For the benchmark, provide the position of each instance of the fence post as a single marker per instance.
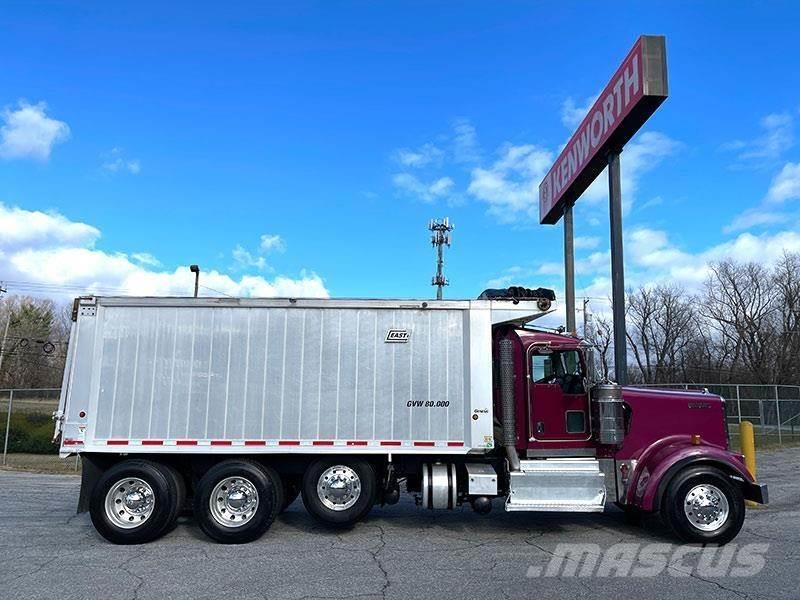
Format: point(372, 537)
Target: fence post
point(778, 415)
point(738, 404)
point(8, 425)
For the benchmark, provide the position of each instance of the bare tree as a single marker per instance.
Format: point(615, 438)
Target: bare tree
point(603, 339)
point(662, 324)
point(739, 303)
point(786, 284)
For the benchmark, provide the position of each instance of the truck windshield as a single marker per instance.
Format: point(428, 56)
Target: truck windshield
point(562, 368)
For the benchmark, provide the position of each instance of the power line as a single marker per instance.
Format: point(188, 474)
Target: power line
point(205, 287)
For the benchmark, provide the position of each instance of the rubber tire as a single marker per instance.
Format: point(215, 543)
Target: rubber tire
point(180, 499)
point(291, 490)
point(165, 491)
point(268, 486)
point(355, 513)
point(672, 506)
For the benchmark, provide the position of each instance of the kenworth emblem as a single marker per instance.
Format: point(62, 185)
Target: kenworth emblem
point(397, 336)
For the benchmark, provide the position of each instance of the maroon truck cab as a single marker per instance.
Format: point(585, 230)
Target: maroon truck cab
point(671, 453)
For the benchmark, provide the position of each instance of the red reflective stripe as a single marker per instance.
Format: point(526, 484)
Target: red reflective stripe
point(356, 443)
point(186, 443)
point(288, 443)
point(72, 442)
point(255, 443)
point(220, 442)
point(321, 443)
point(116, 442)
point(424, 443)
point(455, 443)
point(152, 442)
point(391, 443)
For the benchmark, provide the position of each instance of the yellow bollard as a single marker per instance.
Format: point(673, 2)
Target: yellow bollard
point(748, 442)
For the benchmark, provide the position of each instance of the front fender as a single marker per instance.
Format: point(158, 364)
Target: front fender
point(660, 461)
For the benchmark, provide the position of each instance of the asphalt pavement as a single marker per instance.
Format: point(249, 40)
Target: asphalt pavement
point(47, 551)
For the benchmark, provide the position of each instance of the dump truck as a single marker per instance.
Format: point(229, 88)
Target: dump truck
point(231, 408)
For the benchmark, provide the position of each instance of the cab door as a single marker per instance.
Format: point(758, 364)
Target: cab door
point(558, 402)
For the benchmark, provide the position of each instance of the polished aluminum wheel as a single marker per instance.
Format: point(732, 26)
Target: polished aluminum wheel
point(130, 502)
point(339, 487)
point(706, 507)
point(233, 502)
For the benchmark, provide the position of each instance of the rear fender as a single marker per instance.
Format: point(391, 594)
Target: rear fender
point(664, 459)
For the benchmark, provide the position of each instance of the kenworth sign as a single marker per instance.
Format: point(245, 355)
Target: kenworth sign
point(634, 93)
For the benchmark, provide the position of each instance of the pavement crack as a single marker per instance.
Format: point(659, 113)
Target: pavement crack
point(375, 553)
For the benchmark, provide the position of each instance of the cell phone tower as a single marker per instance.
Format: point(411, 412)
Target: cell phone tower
point(440, 236)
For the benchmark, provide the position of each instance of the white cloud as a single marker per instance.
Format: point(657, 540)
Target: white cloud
point(465, 142)
point(754, 217)
point(272, 243)
point(550, 268)
point(510, 185)
point(48, 253)
point(28, 132)
point(651, 258)
point(654, 258)
point(116, 162)
point(586, 242)
point(572, 115)
point(425, 191)
point(641, 155)
point(777, 138)
point(268, 242)
point(246, 260)
point(509, 277)
point(145, 258)
point(785, 187)
point(424, 155)
point(36, 229)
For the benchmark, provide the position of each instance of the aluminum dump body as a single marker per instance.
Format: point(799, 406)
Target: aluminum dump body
point(281, 375)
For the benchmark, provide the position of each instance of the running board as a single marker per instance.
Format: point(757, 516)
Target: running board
point(557, 485)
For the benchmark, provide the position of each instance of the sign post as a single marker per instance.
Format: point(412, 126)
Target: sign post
point(569, 270)
point(617, 270)
point(635, 91)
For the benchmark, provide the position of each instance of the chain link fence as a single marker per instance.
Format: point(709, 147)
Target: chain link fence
point(26, 420)
point(26, 431)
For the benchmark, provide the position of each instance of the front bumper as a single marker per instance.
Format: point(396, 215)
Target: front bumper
point(757, 492)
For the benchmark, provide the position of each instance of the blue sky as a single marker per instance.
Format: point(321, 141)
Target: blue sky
point(300, 148)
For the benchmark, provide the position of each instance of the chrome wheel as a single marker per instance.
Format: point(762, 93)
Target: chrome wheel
point(233, 501)
point(130, 502)
point(706, 507)
point(339, 487)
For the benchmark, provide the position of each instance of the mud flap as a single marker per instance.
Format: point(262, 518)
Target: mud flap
point(90, 473)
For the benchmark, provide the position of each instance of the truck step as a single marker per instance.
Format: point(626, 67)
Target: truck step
point(557, 485)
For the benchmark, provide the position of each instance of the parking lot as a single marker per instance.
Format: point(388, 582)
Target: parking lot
point(46, 551)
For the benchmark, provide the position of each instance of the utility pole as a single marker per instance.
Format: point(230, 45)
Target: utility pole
point(3, 346)
point(587, 321)
point(440, 236)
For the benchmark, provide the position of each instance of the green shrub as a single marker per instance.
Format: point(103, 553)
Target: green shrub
point(29, 432)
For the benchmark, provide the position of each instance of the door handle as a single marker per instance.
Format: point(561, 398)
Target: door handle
point(539, 427)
